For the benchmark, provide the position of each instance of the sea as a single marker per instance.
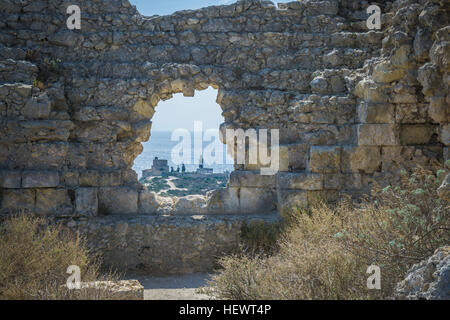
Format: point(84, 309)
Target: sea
point(161, 145)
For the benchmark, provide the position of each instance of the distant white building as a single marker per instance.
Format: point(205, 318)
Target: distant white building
point(159, 167)
point(202, 170)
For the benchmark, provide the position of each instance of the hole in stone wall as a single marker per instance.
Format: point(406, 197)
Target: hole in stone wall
point(185, 131)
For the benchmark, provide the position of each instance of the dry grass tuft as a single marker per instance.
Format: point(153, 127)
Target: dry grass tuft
point(325, 251)
point(34, 257)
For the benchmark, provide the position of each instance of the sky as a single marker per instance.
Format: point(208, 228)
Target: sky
point(180, 112)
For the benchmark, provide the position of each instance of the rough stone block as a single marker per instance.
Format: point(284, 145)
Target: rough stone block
point(411, 113)
point(416, 134)
point(38, 107)
point(378, 134)
point(251, 179)
point(257, 201)
point(332, 181)
point(53, 202)
point(325, 159)
point(190, 205)
point(118, 200)
point(71, 178)
point(148, 203)
point(86, 202)
point(376, 113)
point(40, 179)
point(438, 110)
point(17, 200)
point(116, 290)
point(300, 181)
point(110, 179)
point(370, 92)
point(360, 159)
point(90, 178)
point(10, 179)
point(445, 134)
point(223, 201)
point(385, 72)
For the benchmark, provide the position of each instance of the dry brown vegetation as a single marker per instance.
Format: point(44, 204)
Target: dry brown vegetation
point(325, 251)
point(34, 257)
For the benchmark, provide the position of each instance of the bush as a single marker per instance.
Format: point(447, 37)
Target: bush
point(325, 251)
point(34, 257)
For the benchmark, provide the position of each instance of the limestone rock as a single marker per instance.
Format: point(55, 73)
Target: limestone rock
point(325, 159)
point(86, 202)
point(444, 189)
point(53, 202)
point(361, 159)
point(148, 202)
point(18, 200)
point(378, 135)
point(10, 179)
point(40, 179)
point(190, 205)
point(429, 279)
point(115, 290)
point(300, 181)
point(118, 201)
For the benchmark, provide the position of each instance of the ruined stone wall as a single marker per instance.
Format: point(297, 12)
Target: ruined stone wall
point(351, 104)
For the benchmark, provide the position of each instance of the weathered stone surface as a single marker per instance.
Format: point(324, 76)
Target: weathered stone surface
point(190, 205)
point(118, 201)
point(445, 135)
point(376, 113)
point(86, 202)
point(114, 290)
point(386, 72)
point(40, 179)
point(10, 179)
point(251, 179)
point(38, 107)
point(370, 92)
point(223, 201)
point(300, 181)
point(148, 202)
point(165, 245)
point(416, 134)
point(429, 279)
point(53, 202)
point(444, 189)
point(378, 135)
point(325, 159)
point(361, 159)
point(18, 200)
point(257, 201)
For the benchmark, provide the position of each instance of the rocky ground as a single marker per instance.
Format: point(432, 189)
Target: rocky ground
point(174, 287)
point(181, 185)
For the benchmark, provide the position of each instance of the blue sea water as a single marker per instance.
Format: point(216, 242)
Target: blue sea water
point(160, 145)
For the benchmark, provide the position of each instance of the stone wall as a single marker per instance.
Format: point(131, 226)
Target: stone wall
point(352, 105)
point(164, 245)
